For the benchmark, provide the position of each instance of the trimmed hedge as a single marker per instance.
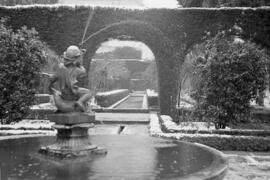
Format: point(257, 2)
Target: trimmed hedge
point(168, 32)
point(234, 132)
point(227, 143)
point(106, 99)
point(218, 141)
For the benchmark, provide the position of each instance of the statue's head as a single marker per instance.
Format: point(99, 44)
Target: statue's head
point(73, 55)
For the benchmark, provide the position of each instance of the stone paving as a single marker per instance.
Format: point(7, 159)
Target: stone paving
point(133, 118)
point(121, 129)
point(248, 165)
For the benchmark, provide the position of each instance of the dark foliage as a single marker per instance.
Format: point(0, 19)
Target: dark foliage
point(232, 74)
point(21, 57)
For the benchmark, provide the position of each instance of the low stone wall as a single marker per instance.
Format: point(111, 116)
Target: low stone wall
point(106, 99)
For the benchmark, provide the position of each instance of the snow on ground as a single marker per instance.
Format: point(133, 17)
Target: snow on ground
point(151, 93)
point(44, 106)
point(28, 125)
point(154, 126)
point(169, 124)
point(4, 133)
point(110, 92)
point(186, 105)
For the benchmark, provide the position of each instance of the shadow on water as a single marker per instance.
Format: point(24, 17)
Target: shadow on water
point(129, 157)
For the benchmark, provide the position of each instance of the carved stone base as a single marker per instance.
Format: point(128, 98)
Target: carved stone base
point(71, 118)
point(72, 137)
point(55, 151)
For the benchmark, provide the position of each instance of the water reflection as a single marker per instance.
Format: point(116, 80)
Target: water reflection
point(129, 157)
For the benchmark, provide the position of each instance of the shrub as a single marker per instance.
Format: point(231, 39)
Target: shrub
point(233, 73)
point(21, 57)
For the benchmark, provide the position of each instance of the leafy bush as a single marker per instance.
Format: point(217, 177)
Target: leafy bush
point(21, 57)
point(225, 142)
point(232, 73)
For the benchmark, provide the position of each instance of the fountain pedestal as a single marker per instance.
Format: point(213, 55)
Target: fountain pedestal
point(72, 136)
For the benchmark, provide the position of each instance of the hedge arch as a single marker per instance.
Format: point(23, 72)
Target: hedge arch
point(160, 45)
point(170, 33)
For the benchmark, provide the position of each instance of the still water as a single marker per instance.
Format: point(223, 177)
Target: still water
point(129, 157)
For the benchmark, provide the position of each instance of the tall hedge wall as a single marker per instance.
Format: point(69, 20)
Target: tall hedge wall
point(169, 33)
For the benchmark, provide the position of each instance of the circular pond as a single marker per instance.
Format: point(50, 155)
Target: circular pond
point(129, 157)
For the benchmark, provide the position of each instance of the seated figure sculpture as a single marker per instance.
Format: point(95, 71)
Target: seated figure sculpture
point(71, 97)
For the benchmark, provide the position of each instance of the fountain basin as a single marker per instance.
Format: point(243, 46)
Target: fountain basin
point(129, 157)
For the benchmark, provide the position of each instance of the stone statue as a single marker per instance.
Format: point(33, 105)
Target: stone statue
point(71, 97)
point(71, 120)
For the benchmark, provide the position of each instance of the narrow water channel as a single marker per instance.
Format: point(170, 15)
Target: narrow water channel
point(131, 102)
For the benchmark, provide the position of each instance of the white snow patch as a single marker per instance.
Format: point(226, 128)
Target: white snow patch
point(154, 128)
point(29, 124)
point(186, 105)
point(171, 125)
point(151, 93)
point(23, 132)
point(45, 106)
point(111, 92)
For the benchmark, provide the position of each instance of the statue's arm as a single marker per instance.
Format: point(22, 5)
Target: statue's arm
point(52, 79)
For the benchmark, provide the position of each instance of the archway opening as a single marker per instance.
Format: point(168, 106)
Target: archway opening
point(126, 72)
point(166, 56)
